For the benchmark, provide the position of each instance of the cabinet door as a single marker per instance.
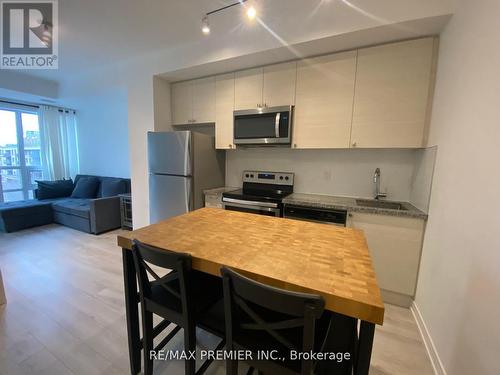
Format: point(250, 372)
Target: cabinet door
point(224, 105)
point(248, 89)
point(182, 102)
point(279, 84)
point(204, 100)
point(395, 245)
point(393, 85)
point(213, 201)
point(323, 102)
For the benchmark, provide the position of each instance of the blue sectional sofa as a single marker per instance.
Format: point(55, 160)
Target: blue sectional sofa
point(96, 215)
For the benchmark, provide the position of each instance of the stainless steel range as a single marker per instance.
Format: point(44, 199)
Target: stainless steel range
point(261, 194)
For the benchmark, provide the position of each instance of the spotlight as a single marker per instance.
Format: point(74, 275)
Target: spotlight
point(205, 27)
point(251, 13)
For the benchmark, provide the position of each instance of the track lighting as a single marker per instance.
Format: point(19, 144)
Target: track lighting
point(205, 27)
point(251, 13)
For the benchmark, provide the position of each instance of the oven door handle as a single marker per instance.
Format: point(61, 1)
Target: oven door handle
point(236, 206)
point(250, 203)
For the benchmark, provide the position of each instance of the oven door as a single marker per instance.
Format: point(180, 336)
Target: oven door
point(260, 208)
point(263, 126)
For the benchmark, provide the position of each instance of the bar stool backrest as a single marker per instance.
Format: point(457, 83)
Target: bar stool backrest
point(178, 263)
point(246, 302)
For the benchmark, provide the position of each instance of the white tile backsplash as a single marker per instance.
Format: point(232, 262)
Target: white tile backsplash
point(333, 172)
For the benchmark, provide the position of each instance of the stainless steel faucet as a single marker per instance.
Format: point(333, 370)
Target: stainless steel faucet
point(376, 181)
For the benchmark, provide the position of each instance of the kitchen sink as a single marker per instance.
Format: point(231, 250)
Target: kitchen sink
point(380, 204)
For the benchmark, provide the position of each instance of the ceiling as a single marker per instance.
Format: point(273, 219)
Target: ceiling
point(96, 33)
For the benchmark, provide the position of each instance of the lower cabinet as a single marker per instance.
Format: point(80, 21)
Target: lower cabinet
point(395, 245)
point(213, 201)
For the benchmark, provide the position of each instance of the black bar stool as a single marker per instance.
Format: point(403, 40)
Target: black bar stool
point(263, 318)
point(181, 297)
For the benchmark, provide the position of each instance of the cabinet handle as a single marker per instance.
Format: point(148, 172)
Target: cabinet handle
point(295, 145)
point(230, 146)
point(258, 105)
point(354, 144)
point(350, 215)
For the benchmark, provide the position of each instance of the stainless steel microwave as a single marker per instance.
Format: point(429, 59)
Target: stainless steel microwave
point(263, 126)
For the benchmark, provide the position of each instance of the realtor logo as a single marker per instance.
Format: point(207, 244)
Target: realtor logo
point(29, 35)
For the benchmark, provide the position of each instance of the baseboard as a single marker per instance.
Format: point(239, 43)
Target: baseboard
point(397, 299)
point(429, 344)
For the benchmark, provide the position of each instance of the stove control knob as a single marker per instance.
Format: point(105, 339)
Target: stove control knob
point(281, 177)
point(286, 178)
point(251, 176)
point(247, 175)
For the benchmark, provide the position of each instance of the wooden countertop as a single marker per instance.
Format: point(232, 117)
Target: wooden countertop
point(290, 254)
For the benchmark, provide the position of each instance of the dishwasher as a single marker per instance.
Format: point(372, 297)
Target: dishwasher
point(317, 215)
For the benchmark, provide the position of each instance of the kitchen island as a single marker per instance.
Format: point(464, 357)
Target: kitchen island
point(330, 261)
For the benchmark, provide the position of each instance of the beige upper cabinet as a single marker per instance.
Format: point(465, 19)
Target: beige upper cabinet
point(224, 105)
point(204, 100)
point(377, 97)
point(393, 87)
point(323, 101)
point(279, 84)
point(248, 86)
point(193, 101)
point(182, 102)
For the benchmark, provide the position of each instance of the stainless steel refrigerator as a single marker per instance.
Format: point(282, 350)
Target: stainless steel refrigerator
point(181, 165)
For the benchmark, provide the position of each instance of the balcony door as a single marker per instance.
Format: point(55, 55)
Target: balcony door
point(20, 153)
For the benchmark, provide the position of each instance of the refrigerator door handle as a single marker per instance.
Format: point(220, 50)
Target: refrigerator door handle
point(187, 155)
point(187, 185)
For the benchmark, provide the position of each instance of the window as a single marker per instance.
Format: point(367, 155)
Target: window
point(20, 153)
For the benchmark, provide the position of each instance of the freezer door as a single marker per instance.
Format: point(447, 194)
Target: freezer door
point(169, 196)
point(170, 153)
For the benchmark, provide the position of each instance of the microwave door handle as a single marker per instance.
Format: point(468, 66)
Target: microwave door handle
point(277, 125)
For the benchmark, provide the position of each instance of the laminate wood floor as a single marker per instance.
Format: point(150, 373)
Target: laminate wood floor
point(65, 311)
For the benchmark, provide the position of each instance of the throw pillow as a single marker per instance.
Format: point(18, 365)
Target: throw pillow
point(86, 187)
point(113, 187)
point(54, 189)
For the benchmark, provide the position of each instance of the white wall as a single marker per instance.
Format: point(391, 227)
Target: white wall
point(162, 110)
point(103, 133)
point(458, 291)
point(141, 120)
point(22, 86)
point(333, 172)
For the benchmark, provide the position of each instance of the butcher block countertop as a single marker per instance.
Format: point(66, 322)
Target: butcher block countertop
point(290, 254)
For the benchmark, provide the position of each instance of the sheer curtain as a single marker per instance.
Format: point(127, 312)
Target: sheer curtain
point(59, 143)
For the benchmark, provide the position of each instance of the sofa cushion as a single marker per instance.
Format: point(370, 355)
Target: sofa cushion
point(73, 206)
point(86, 187)
point(111, 187)
point(24, 208)
point(19, 215)
point(54, 189)
point(101, 179)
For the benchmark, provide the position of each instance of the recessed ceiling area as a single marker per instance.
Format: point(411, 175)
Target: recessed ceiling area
point(348, 41)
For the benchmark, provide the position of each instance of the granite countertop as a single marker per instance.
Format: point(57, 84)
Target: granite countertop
point(218, 191)
point(349, 204)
